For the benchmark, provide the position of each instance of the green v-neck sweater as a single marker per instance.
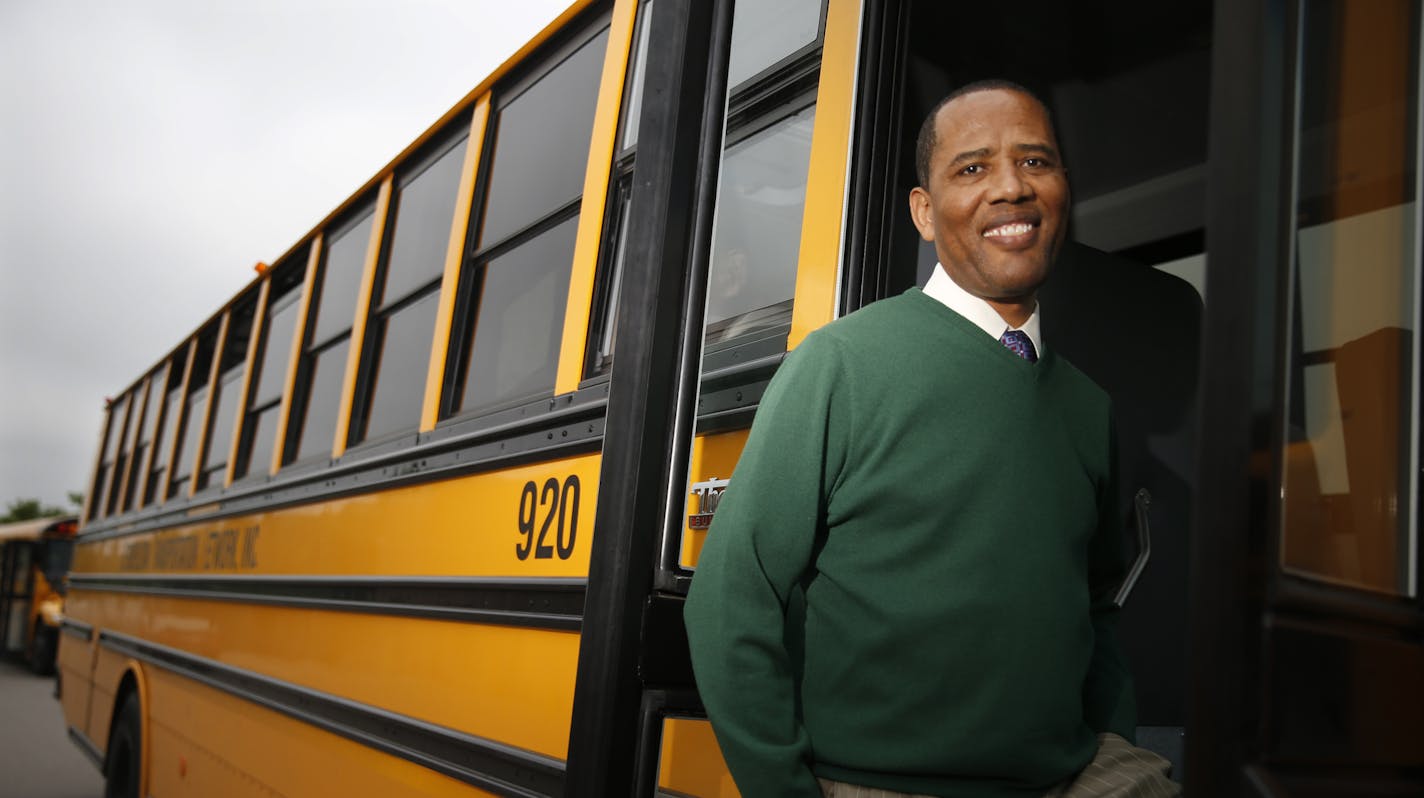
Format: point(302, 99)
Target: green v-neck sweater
point(908, 583)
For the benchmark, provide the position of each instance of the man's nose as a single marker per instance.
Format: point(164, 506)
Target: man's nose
point(1010, 184)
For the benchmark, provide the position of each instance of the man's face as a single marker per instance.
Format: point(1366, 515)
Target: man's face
point(997, 201)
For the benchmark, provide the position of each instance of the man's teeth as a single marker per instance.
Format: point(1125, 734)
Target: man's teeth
point(1008, 230)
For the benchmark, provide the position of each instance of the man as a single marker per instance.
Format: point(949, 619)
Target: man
point(907, 589)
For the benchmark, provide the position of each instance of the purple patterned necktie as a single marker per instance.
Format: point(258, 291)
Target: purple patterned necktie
point(1020, 344)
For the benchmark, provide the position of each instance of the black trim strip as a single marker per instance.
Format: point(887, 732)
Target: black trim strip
point(486, 764)
point(87, 747)
point(654, 380)
point(78, 629)
point(553, 603)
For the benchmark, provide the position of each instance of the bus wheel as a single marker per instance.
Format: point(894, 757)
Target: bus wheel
point(121, 766)
point(42, 649)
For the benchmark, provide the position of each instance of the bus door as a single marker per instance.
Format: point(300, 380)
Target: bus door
point(1128, 85)
point(731, 256)
point(1307, 625)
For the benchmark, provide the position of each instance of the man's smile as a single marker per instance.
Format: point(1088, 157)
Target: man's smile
point(1010, 230)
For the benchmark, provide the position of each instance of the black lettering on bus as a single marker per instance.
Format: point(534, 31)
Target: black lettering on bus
point(135, 557)
point(571, 485)
point(176, 554)
point(249, 546)
point(543, 551)
point(557, 502)
point(222, 549)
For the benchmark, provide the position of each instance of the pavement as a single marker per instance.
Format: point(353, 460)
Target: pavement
point(37, 759)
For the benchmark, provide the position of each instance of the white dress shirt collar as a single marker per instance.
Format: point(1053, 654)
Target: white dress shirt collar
point(944, 289)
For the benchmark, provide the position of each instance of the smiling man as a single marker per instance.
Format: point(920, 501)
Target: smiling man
point(907, 588)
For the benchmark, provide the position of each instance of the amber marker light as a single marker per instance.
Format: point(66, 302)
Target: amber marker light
point(261, 267)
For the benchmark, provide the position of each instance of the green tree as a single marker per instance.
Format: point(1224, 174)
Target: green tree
point(28, 510)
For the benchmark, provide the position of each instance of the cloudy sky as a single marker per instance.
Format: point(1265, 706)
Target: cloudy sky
point(151, 151)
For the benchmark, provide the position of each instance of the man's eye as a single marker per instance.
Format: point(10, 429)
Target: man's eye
point(972, 170)
point(1037, 164)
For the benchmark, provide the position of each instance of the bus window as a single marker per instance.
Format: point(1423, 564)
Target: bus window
point(519, 279)
point(275, 350)
point(760, 198)
point(192, 428)
point(762, 186)
point(515, 342)
point(121, 459)
point(407, 293)
point(227, 395)
point(602, 321)
point(147, 409)
point(1350, 499)
point(330, 336)
point(153, 489)
point(765, 33)
point(113, 430)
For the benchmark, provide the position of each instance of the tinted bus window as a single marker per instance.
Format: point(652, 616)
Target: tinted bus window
point(516, 335)
point(519, 280)
point(194, 414)
point(148, 398)
point(760, 198)
point(154, 485)
point(422, 209)
point(541, 144)
point(402, 327)
point(330, 337)
point(220, 439)
point(633, 93)
point(104, 473)
point(192, 419)
point(398, 375)
point(319, 429)
point(121, 459)
point(281, 326)
point(762, 185)
point(283, 307)
point(341, 280)
point(766, 31)
point(228, 395)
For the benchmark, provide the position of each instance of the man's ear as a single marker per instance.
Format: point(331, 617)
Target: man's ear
point(922, 212)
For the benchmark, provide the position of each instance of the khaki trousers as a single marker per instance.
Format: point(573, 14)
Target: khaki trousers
point(1120, 770)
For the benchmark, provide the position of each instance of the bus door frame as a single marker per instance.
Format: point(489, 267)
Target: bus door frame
point(652, 399)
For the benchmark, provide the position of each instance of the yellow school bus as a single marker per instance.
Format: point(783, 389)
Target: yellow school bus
point(414, 512)
point(34, 557)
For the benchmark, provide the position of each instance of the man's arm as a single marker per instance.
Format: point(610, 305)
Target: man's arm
point(759, 548)
point(1109, 702)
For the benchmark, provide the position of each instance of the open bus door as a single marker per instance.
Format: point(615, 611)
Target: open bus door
point(1244, 177)
point(1307, 627)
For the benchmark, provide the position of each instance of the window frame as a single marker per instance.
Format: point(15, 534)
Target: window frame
point(477, 254)
point(780, 90)
point(283, 285)
point(379, 313)
point(369, 207)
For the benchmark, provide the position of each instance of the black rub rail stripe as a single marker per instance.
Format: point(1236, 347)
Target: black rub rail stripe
point(78, 629)
point(552, 603)
point(489, 765)
point(84, 744)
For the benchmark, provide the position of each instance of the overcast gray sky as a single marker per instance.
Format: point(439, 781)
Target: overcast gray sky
point(151, 151)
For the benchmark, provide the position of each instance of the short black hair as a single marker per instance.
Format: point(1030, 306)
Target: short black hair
point(926, 141)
